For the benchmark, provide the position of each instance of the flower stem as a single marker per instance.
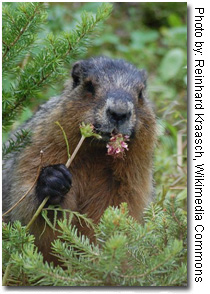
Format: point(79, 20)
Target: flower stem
point(37, 212)
point(75, 151)
point(47, 198)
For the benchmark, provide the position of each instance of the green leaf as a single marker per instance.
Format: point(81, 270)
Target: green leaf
point(182, 195)
point(174, 20)
point(171, 63)
point(140, 38)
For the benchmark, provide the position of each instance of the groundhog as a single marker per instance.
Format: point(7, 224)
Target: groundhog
point(110, 94)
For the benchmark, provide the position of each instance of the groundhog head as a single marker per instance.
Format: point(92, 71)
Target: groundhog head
point(115, 93)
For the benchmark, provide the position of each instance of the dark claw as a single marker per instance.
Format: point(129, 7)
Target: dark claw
point(54, 181)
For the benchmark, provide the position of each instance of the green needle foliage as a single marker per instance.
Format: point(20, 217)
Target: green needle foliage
point(20, 26)
point(21, 138)
point(125, 253)
point(32, 64)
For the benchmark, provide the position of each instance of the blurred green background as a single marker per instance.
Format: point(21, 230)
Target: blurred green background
point(151, 35)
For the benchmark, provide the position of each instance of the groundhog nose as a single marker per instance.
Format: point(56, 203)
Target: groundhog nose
point(118, 117)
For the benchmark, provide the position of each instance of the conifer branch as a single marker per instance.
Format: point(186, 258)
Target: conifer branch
point(46, 66)
point(20, 140)
point(19, 28)
point(6, 274)
point(22, 31)
point(68, 279)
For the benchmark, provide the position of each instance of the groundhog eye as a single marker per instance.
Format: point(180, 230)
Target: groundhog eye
point(90, 87)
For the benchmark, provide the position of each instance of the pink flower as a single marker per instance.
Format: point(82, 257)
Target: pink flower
point(117, 146)
point(124, 145)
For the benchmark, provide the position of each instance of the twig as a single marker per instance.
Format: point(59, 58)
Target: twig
point(37, 212)
point(8, 268)
point(69, 161)
point(47, 198)
point(29, 190)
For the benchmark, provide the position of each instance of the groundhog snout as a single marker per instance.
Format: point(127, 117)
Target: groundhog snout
point(118, 116)
point(119, 109)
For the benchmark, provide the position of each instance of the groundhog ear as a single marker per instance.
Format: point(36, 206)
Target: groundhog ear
point(76, 73)
point(144, 75)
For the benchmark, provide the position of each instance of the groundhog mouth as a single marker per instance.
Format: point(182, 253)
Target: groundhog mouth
point(105, 136)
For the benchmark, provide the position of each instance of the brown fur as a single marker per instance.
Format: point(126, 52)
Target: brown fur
point(99, 180)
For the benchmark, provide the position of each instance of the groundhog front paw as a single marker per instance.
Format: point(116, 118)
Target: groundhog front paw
point(54, 181)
